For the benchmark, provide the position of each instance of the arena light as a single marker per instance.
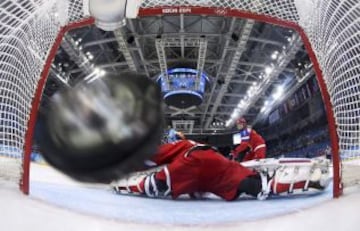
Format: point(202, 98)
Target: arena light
point(234, 115)
point(279, 92)
point(228, 122)
point(89, 76)
point(274, 55)
point(89, 55)
point(241, 104)
point(268, 70)
point(99, 73)
point(266, 106)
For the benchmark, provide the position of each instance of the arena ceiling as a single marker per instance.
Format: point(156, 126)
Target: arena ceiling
point(251, 66)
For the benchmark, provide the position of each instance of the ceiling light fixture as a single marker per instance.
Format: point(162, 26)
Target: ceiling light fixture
point(268, 70)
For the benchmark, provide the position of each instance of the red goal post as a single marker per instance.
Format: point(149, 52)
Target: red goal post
point(31, 32)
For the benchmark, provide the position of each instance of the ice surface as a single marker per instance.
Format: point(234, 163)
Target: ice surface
point(58, 203)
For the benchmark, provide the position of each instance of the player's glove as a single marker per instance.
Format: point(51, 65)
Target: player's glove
point(230, 156)
point(241, 155)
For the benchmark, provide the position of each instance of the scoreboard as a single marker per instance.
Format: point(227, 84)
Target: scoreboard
point(181, 90)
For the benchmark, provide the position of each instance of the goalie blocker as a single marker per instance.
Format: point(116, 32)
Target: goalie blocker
point(194, 169)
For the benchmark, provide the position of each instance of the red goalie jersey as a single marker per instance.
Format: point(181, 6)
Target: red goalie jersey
point(192, 167)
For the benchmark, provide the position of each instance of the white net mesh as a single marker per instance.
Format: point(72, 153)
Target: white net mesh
point(334, 32)
point(28, 30)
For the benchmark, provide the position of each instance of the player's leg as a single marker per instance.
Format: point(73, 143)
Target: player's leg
point(133, 183)
point(179, 177)
point(155, 183)
point(296, 178)
point(251, 185)
point(288, 177)
point(260, 152)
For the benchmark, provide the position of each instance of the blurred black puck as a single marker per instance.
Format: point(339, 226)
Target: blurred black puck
point(98, 131)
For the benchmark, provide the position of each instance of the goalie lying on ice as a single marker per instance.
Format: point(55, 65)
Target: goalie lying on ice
point(190, 168)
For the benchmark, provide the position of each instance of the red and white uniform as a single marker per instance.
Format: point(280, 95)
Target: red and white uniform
point(192, 168)
point(250, 139)
point(199, 170)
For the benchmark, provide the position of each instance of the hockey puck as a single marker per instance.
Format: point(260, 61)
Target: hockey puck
point(96, 132)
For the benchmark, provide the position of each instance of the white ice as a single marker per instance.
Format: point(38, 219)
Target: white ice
point(58, 203)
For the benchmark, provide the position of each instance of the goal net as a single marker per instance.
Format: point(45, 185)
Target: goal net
point(31, 31)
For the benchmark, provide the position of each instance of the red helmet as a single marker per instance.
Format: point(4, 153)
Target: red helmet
point(241, 121)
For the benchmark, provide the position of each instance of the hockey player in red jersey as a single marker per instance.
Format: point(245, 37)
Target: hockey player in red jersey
point(252, 145)
point(188, 167)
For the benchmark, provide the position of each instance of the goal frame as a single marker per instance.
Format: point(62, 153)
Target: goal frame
point(190, 10)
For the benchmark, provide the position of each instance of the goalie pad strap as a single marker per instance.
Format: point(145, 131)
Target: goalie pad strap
point(266, 186)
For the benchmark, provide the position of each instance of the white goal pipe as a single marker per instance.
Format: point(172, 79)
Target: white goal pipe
point(31, 31)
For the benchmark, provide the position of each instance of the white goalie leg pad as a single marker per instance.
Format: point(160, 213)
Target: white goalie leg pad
point(293, 170)
point(128, 183)
point(158, 188)
point(291, 175)
point(313, 172)
point(150, 186)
